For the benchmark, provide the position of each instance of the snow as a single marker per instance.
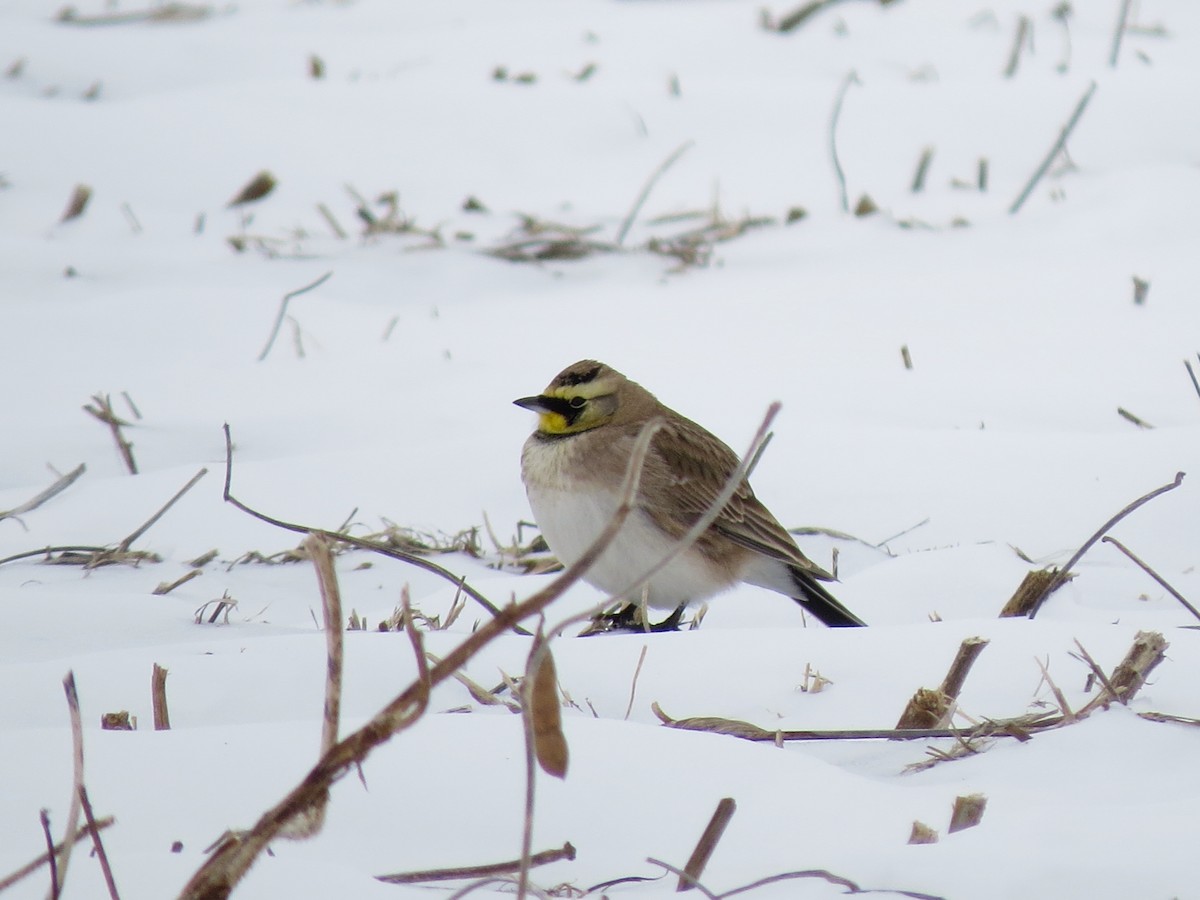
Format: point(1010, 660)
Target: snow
point(1003, 437)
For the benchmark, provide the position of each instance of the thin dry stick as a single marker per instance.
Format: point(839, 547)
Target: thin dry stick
point(528, 690)
point(102, 411)
point(633, 687)
point(128, 540)
point(1086, 658)
point(53, 491)
point(158, 698)
point(644, 194)
point(362, 543)
point(98, 844)
point(1068, 714)
point(1018, 728)
point(166, 587)
point(1119, 33)
point(566, 851)
point(683, 876)
point(331, 607)
point(216, 879)
point(707, 844)
point(1054, 150)
point(1108, 539)
point(44, 818)
point(76, 794)
point(50, 855)
point(1187, 364)
point(851, 78)
point(282, 314)
point(1018, 43)
point(1061, 575)
point(918, 182)
point(824, 874)
point(1130, 417)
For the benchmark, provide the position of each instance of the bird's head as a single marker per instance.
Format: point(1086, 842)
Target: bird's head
point(582, 396)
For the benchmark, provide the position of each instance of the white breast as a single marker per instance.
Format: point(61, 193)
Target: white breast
point(572, 517)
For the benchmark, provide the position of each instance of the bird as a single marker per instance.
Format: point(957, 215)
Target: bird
point(573, 466)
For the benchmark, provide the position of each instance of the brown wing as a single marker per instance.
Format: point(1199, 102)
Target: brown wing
point(689, 466)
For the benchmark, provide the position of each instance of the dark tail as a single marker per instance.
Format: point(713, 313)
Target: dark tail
point(822, 604)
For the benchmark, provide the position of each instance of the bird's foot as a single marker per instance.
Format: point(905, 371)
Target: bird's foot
point(630, 619)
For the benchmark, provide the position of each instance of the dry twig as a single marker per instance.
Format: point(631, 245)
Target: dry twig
point(97, 844)
point(1061, 575)
point(566, 852)
point(707, 844)
point(76, 807)
point(282, 314)
point(158, 698)
point(1109, 539)
point(229, 863)
point(642, 196)
point(342, 537)
point(851, 78)
point(51, 855)
point(1056, 149)
point(54, 490)
point(101, 409)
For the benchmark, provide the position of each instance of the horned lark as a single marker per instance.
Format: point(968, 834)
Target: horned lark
point(589, 417)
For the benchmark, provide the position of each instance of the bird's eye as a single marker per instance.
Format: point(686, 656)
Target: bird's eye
point(577, 402)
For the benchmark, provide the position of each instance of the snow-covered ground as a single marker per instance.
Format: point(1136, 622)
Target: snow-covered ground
point(387, 397)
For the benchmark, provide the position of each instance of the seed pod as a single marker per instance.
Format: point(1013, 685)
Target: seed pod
point(549, 743)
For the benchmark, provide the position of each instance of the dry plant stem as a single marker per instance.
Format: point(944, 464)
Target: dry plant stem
point(1119, 33)
point(53, 491)
point(566, 851)
point(50, 855)
point(158, 698)
point(1017, 728)
point(97, 844)
point(218, 876)
point(1130, 417)
point(1148, 650)
point(1061, 575)
point(707, 844)
point(968, 652)
point(636, 673)
point(44, 817)
point(149, 523)
point(331, 607)
point(77, 786)
point(1068, 714)
point(929, 709)
point(1098, 672)
point(341, 537)
point(282, 314)
point(648, 187)
point(167, 586)
point(1054, 150)
point(968, 812)
point(1018, 42)
point(851, 78)
point(683, 877)
point(918, 182)
point(1187, 364)
point(103, 412)
point(1108, 539)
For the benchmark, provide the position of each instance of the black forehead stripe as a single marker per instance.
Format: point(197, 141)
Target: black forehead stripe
point(570, 379)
